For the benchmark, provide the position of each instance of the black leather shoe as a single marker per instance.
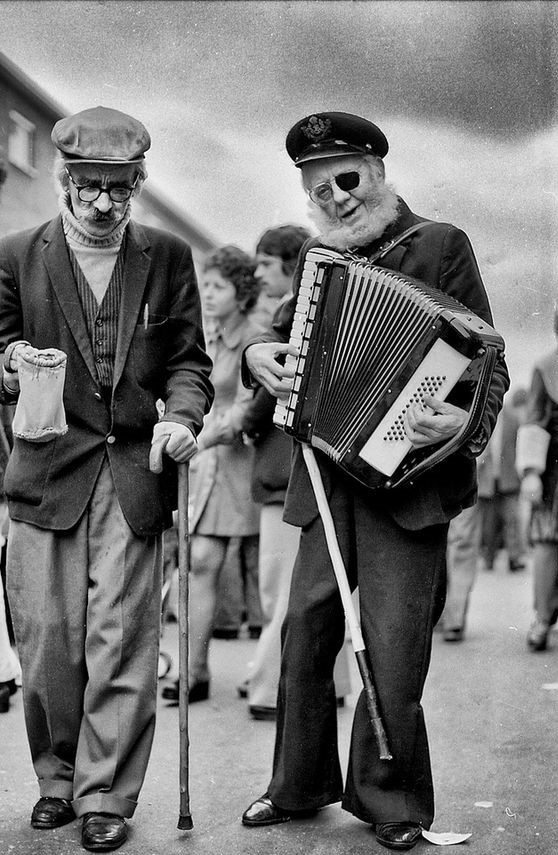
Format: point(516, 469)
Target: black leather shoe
point(537, 637)
point(102, 832)
point(197, 692)
point(264, 812)
point(398, 835)
point(51, 812)
point(263, 713)
point(453, 634)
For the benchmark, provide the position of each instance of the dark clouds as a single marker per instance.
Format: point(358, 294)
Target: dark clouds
point(466, 92)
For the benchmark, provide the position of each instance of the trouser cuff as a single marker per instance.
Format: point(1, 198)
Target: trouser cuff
point(104, 803)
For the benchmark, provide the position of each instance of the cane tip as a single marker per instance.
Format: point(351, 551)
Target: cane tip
point(185, 822)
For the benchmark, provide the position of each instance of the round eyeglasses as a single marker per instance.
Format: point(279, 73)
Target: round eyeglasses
point(91, 192)
point(322, 193)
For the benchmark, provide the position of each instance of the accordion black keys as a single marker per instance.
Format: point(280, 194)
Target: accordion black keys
point(372, 342)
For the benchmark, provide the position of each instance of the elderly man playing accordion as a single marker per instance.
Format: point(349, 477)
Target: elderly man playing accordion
point(393, 541)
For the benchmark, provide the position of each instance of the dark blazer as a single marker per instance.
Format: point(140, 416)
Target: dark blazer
point(441, 256)
point(50, 484)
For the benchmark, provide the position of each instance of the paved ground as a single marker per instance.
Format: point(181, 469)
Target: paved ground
point(492, 713)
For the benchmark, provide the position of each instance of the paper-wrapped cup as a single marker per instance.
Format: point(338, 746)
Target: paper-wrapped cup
point(39, 414)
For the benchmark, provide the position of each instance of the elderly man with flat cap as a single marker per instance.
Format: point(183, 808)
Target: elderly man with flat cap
point(120, 302)
point(393, 541)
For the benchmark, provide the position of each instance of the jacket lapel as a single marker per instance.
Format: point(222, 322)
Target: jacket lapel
point(57, 262)
point(136, 269)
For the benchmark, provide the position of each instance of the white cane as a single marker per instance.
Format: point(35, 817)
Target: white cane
point(348, 606)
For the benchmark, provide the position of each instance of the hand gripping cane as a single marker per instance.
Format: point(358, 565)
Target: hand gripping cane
point(156, 465)
point(346, 599)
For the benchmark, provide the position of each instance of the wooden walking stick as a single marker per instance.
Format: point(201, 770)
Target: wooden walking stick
point(185, 819)
point(348, 606)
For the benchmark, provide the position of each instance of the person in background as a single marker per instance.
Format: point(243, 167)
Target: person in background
point(393, 543)
point(10, 671)
point(9, 664)
point(462, 557)
point(88, 503)
point(277, 252)
point(221, 502)
point(499, 488)
point(537, 464)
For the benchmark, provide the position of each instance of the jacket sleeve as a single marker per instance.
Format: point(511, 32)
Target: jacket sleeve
point(188, 389)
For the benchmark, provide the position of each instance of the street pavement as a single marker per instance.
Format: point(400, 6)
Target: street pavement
point(492, 713)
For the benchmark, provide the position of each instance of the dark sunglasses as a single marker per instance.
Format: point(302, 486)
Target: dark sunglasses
point(322, 193)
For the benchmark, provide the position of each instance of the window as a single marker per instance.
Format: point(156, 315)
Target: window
point(21, 143)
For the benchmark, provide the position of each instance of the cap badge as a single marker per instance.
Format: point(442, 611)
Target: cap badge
point(317, 129)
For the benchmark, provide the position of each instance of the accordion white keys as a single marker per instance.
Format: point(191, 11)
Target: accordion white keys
point(371, 342)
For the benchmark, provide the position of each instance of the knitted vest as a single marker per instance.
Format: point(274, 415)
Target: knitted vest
point(101, 320)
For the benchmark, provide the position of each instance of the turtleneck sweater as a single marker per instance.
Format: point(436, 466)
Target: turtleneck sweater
point(96, 256)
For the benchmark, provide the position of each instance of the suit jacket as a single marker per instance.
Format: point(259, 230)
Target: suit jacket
point(50, 484)
point(441, 256)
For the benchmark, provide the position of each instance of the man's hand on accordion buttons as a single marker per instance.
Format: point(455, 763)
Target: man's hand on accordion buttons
point(433, 421)
point(265, 362)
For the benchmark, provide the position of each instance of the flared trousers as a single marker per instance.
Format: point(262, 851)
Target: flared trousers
point(401, 579)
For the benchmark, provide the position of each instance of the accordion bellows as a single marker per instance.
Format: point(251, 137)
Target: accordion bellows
point(371, 342)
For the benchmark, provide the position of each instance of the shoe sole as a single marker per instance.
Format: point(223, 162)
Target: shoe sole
point(399, 846)
point(259, 824)
point(47, 825)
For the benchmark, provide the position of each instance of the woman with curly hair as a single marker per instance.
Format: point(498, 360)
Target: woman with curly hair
point(222, 506)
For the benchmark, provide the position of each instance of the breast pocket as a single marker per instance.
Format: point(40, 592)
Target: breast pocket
point(149, 351)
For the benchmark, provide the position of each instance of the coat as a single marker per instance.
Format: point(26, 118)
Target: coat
point(49, 485)
point(440, 256)
point(221, 502)
point(503, 478)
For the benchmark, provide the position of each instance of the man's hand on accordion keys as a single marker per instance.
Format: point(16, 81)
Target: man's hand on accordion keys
point(265, 362)
point(433, 421)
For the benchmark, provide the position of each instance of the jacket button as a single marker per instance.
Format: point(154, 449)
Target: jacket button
point(98, 396)
point(111, 439)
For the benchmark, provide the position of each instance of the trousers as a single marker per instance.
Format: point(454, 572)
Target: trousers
point(401, 580)
point(86, 606)
point(278, 549)
point(463, 552)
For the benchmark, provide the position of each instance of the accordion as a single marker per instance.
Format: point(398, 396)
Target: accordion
point(371, 342)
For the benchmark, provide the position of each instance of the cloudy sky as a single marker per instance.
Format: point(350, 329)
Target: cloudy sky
point(465, 92)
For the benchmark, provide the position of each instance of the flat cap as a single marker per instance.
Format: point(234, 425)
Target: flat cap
point(333, 135)
point(101, 135)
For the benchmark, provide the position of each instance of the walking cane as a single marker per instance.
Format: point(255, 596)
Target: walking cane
point(348, 607)
point(185, 819)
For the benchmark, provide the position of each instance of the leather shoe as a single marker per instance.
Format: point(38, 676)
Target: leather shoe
point(398, 835)
point(196, 692)
point(537, 637)
point(52, 812)
point(263, 713)
point(102, 832)
point(453, 634)
point(264, 812)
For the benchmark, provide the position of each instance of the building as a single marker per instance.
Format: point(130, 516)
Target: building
point(28, 196)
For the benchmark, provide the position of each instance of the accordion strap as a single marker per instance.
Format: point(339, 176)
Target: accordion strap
point(387, 247)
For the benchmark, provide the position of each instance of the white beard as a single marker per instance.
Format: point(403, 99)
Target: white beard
point(341, 237)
